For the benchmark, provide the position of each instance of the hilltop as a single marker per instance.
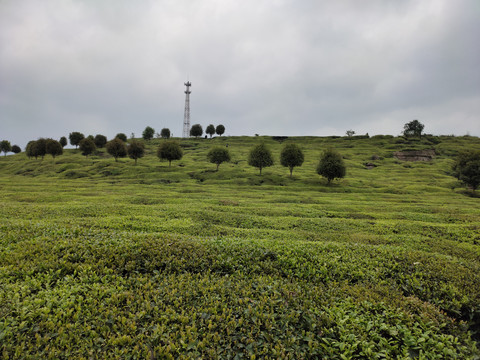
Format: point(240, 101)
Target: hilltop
point(107, 259)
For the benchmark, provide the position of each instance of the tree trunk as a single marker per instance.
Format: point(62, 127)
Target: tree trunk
point(291, 170)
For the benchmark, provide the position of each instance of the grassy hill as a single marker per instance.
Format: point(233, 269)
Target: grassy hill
point(104, 259)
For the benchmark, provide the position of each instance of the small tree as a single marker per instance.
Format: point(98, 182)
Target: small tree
point(196, 130)
point(148, 133)
point(63, 141)
point(121, 136)
point(350, 133)
point(413, 128)
point(30, 149)
point(218, 155)
point(291, 156)
point(16, 149)
point(331, 165)
point(170, 150)
point(100, 140)
point(75, 138)
point(210, 130)
point(260, 157)
point(5, 147)
point(87, 146)
point(40, 147)
point(467, 168)
point(220, 130)
point(165, 133)
point(117, 148)
point(135, 150)
point(54, 148)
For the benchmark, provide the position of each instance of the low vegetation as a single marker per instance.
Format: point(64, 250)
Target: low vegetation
point(103, 259)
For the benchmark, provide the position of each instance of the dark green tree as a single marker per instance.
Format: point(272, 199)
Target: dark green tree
point(30, 149)
point(260, 156)
point(331, 165)
point(121, 136)
point(291, 156)
point(135, 150)
point(5, 147)
point(40, 147)
point(148, 133)
point(165, 133)
point(75, 138)
point(210, 130)
point(196, 130)
point(87, 146)
point(116, 148)
point(413, 128)
point(220, 130)
point(100, 140)
point(16, 149)
point(170, 150)
point(63, 141)
point(53, 147)
point(467, 168)
point(218, 155)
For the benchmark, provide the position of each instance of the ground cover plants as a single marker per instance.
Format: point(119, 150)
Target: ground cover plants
point(103, 259)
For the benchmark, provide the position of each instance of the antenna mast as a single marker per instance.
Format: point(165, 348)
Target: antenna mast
point(186, 116)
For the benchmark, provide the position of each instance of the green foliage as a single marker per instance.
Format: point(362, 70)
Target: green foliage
point(135, 150)
point(413, 128)
point(40, 147)
point(169, 150)
point(291, 156)
point(5, 147)
point(220, 130)
point(121, 136)
point(331, 165)
point(165, 133)
point(210, 130)
point(261, 157)
point(53, 147)
point(87, 146)
point(196, 130)
point(75, 138)
point(218, 155)
point(117, 148)
point(148, 133)
point(467, 168)
point(100, 141)
point(101, 259)
point(16, 149)
point(63, 141)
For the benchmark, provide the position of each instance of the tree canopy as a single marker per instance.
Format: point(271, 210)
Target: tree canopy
point(5, 147)
point(261, 157)
point(291, 156)
point(116, 148)
point(135, 150)
point(165, 133)
point(121, 136)
point(100, 140)
point(63, 141)
point(148, 133)
point(218, 155)
point(53, 147)
point(210, 130)
point(331, 165)
point(467, 168)
point(220, 130)
point(87, 146)
point(413, 128)
point(196, 130)
point(16, 149)
point(170, 150)
point(75, 138)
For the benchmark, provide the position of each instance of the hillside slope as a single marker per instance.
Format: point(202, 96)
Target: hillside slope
point(105, 259)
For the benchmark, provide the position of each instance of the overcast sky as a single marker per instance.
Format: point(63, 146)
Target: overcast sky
point(272, 67)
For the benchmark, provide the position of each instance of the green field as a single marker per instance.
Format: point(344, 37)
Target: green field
point(104, 259)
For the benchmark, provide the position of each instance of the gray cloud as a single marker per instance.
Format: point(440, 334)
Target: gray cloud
point(268, 67)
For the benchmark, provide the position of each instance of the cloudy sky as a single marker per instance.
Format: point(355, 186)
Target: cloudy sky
point(273, 67)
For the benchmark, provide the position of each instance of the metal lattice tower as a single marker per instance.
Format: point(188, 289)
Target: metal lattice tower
point(186, 116)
